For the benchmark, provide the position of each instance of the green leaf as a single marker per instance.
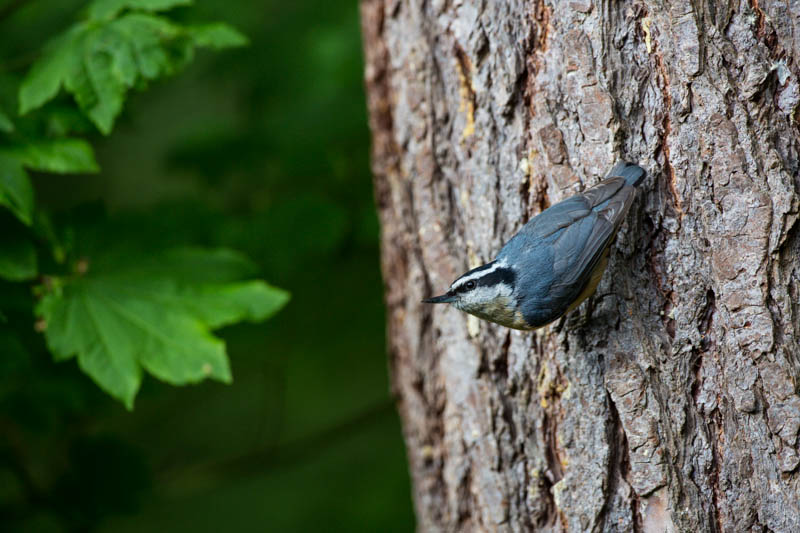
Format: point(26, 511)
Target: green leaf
point(45, 78)
point(222, 305)
point(158, 46)
point(99, 61)
point(217, 36)
point(148, 316)
point(17, 258)
point(16, 191)
point(107, 9)
point(100, 80)
point(58, 155)
point(6, 126)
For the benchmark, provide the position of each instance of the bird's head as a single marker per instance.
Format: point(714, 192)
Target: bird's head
point(486, 292)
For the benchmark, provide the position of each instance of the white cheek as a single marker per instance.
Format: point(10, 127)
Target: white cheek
point(506, 290)
point(482, 294)
point(485, 295)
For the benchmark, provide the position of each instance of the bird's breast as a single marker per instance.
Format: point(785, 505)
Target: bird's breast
point(503, 311)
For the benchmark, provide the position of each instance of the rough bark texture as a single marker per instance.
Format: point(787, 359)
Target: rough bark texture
point(668, 401)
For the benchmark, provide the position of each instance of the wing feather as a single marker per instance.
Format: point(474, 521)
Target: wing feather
point(569, 211)
point(603, 191)
point(574, 270)
point(556, 217)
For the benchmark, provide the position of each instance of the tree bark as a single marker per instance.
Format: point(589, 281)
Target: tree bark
point(669, 400)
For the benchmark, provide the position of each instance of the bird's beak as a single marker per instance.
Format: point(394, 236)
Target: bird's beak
point(443, 299)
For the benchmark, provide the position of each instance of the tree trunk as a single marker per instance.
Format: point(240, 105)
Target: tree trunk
point(668, 401)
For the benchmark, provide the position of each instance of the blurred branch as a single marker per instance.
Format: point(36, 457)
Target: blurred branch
point(288, 453)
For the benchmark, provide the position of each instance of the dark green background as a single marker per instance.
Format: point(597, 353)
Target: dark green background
point(263, 149)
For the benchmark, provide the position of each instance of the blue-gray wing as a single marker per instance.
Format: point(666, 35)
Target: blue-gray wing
point(571, 210)
point(578, 249)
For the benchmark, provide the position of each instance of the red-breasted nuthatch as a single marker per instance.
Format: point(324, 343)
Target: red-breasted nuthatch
point(554, 262)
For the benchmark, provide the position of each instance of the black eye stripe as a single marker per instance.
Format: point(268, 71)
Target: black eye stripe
point(501, 275)
point(463, 287)
point(468, 286)
point(497, 276)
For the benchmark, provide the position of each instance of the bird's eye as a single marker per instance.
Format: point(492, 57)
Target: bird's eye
point(470, 285)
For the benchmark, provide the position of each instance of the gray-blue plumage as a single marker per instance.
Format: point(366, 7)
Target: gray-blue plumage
point(554, 262)
point(561, 246)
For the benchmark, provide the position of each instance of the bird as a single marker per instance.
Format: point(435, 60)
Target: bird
point(554, 262)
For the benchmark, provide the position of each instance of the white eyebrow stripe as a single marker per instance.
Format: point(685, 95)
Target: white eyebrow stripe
point(477, 275)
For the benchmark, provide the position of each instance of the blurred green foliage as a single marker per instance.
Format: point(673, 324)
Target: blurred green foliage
point(145, 309)
point(262, 149)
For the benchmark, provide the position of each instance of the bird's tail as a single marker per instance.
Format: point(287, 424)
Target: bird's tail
point(633, 174)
